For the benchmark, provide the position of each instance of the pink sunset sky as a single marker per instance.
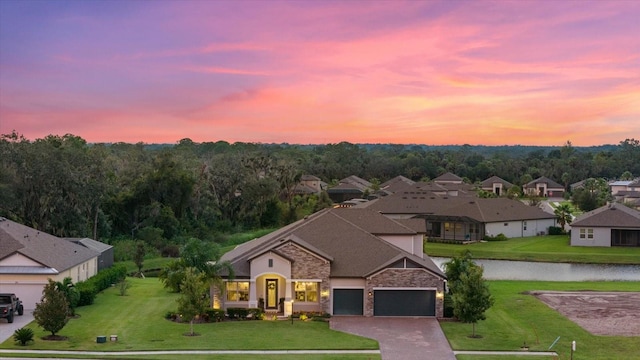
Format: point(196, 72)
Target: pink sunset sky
point(300, 72)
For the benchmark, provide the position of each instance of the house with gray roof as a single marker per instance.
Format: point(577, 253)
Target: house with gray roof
point(448, 178)
point(337, 261)
point(610, 225)
point(461, 218)
point(105, 259)
point(29, 258)
point(544, 187)
point(496, 185)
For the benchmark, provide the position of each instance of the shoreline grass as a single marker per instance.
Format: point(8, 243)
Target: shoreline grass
point(550, 248)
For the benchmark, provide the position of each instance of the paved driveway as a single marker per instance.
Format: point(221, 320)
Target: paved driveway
point(400, 338)
point(6, 329)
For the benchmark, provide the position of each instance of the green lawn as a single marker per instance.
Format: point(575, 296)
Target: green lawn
point(516, 318)
point(550, 248)
point(138, 320)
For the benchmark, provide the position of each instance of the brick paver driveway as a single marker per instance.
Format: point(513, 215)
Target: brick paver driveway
point(400, 338)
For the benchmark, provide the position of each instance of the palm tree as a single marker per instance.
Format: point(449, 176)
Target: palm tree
point(563, 213)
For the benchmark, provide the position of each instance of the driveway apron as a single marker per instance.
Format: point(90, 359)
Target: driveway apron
point(400, 338)
point(6, 329)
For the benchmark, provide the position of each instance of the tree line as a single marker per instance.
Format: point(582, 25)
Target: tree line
point(166, 194)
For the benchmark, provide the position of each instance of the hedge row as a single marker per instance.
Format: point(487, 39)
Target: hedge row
point(89, 288)
point(245, 313)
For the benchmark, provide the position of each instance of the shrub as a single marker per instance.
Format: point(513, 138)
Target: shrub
point(123, 287)
point(555, 230)
point(448, 306)
point(237, 313)
point(256, 313)
point(499, 237)
point(214, 315)
point(102, 280)
point(23, 336)
point(87, 293)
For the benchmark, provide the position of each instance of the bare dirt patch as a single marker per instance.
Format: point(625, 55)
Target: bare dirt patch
point(600, 313)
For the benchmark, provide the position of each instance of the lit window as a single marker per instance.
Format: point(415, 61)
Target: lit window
point(238, 291)
point(306, 291)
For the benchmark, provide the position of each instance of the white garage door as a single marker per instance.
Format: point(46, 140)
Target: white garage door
point(30, 294)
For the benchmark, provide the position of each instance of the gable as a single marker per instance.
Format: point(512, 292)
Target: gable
point(17, 259)
point(270, 262)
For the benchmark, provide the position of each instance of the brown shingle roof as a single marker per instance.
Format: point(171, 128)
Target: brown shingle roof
point(482, 210)
point(448, 177)
point(613, 215)
point(356, 252)
point(488, 183)
point(46, 249)
point(543, 179)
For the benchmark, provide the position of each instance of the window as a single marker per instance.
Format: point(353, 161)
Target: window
point(524, 225)
point(270, 263)
point(238, 291)
point(586, 233)
point(306, 291)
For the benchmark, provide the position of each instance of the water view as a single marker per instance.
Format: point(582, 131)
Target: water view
point(542, 271)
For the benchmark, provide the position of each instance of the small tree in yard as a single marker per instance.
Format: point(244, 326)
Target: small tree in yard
point(457, 266)
point(195, 299)
point(471, 297)
point(52, 312)
point(138, 257)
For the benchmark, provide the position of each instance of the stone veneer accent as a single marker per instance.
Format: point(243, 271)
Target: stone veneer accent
point(404, 278)
point(308, 266)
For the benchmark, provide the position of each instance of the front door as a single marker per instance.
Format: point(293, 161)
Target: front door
point(272, 293)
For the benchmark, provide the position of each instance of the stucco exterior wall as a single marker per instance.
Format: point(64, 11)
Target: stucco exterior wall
point(260, 265)
point(404, 278)
point(516, 229)
point(601, 237)
point(408, 243)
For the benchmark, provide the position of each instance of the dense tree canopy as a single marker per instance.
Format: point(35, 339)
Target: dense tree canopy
point(166, 194)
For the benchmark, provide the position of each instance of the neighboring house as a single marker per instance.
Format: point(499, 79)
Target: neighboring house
point(496, 185)
point(28, 258)
point(105, 259)
point(465, 218)
point(544, 187)
point(353, 187)
point(621, 185)
point(627, 192)
point(610, 225)
point(337, 261)
point(310, 184)
point(398, 183)
point(448, 178)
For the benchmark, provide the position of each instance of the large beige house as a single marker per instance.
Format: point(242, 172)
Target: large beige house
point(29, 258)
point(340, 261)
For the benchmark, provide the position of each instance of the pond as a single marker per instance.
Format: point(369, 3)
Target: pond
point(542, 271)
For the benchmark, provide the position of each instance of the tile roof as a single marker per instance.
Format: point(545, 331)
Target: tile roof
point(355, 251)
point(46, 249)
point(613, 215)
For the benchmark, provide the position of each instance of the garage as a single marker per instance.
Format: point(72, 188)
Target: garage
point(29, 293)
point(404, 303)
point(348, 301)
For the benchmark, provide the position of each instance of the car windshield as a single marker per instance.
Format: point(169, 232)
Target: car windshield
point(5, 300)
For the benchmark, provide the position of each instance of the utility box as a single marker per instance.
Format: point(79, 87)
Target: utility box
point(101, 339)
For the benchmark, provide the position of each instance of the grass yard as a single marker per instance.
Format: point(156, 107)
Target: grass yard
point(138, 320)
point(516, 318)
point(551, 248)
